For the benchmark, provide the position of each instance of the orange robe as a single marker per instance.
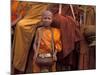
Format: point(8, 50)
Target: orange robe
point(45, 42)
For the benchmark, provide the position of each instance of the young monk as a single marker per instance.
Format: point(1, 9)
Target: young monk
point(47, 38)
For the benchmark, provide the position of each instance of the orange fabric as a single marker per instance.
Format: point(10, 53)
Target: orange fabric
point(45, 44)
point(18, 9)
point(14, 10)
point(24, 32)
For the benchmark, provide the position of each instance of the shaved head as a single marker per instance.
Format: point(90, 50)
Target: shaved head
point(47, 18)
point(47, 13)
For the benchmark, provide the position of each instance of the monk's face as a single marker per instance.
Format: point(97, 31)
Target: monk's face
point(47, 19)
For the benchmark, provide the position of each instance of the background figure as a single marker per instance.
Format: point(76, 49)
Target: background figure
point(24, 33)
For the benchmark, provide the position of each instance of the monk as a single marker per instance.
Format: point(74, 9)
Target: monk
point(24, 33)
point(45, 33)
point(70, 37)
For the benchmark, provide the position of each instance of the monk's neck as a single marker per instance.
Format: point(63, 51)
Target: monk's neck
point(48, 27)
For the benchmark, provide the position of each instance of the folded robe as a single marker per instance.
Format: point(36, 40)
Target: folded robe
point(23, 36)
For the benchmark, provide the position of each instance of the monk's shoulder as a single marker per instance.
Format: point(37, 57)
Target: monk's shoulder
point(56, 29)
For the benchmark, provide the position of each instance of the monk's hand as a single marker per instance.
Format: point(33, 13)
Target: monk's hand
point(55, 58)
point(55, 55)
